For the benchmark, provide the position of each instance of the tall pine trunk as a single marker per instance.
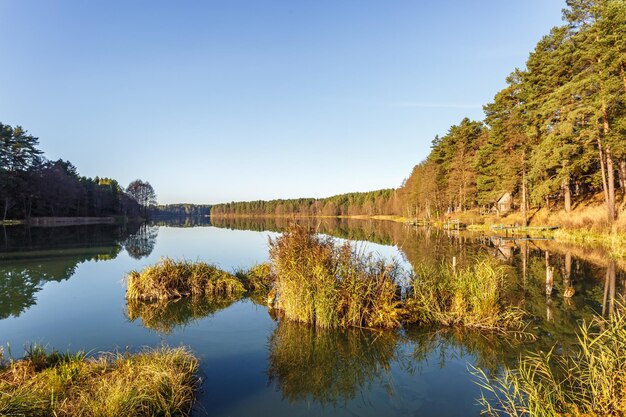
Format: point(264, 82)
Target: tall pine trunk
point(606, 161)
point(622, 176)
point(605, 187)
point(611, 180)
point(524, 191)
point(567, 196)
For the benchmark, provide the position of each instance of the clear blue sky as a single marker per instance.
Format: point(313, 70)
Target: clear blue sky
point(213, 101)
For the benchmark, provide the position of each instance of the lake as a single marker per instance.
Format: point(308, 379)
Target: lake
point(64, 287)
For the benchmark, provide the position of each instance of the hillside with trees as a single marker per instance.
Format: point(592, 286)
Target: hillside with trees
point(555, 133)
point(33, 186)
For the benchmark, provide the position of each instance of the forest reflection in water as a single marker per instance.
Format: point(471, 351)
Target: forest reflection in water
point(334, 367)
point(32, 256)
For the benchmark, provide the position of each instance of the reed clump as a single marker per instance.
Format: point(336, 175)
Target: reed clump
point(591, 382)
point(171, 279)
point(159, 382)
point(329, 285)
point(471, 297)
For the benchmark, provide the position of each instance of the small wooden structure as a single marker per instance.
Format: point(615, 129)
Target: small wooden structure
point(504, 203)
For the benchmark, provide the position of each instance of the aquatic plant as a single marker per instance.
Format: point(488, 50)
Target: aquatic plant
point(321, 282)
point(471, 297)
point(589, 382)
point(159, 382)
point(170, 279)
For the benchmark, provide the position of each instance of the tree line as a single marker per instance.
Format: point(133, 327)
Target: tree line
point(555, 132)
point(369, 203)
point(33, 186)
point(180, 210)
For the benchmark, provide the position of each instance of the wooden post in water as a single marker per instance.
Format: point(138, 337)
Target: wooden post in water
point(567, 276)
point(612, 288)
point(549, 280)
point(568, 266)
point(549, 275)
point(549, 311)
point(549, 286)
point(608, 303)
point(524, 262)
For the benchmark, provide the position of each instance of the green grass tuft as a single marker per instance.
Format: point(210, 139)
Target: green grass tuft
point(258, 279)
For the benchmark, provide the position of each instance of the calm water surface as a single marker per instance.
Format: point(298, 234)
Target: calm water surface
point(63, 287)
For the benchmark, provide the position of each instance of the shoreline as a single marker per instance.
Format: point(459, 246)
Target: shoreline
point(69, 221)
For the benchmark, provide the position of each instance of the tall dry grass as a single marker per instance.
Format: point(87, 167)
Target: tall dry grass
point(471, 297)
point(170, 279)
point(591, 382)
point(321, 282)
point(160, 382)
point(258, 279)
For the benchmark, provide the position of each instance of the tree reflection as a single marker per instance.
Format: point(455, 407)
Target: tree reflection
point(21, 279)
point(165, 316)
point(32, 256)
point(327, 366)
point(486, 350)
point(141, 243)
point(17, 291)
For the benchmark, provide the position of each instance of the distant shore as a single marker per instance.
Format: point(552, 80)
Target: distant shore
point(67, 221)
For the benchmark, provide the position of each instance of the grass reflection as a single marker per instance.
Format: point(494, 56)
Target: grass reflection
point(167, 315)
point(328, 366)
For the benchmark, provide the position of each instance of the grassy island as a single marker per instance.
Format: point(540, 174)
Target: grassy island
point(171, 279)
